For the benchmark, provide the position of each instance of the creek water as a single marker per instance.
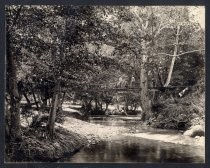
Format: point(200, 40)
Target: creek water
point(134, 149)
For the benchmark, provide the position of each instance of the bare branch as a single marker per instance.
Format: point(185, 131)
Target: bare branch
point(139, 28)
point(139, 19)
point(168, 26)
point(146, 25)
point(188, 52)
point(159, 30)
point(171, 55)
point(182, 43)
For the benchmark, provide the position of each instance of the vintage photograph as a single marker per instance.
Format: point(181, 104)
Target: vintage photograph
point(105, 84)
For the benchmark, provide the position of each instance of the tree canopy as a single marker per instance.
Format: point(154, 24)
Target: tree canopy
point(76, 46)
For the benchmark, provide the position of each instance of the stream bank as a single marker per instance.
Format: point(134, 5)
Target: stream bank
point(96, 132)
point(146, 145)
point(36, 145)
point(74, 135)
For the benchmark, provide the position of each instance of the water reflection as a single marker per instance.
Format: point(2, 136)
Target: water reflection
point(128, 123)
point(132, 149)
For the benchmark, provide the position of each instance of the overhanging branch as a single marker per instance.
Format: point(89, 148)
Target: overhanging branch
point(188, 52)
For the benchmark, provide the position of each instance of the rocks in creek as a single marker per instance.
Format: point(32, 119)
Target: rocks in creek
point(200, 140)
point(194, 131)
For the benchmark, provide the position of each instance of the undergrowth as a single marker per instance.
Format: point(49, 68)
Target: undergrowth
point(38, 146)
point(181, 113)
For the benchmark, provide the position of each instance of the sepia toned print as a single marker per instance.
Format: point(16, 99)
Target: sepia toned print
point(113, 84)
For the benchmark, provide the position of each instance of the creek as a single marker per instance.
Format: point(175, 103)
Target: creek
point(125, 148)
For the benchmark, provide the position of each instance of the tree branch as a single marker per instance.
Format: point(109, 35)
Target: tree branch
point(16, 18)
point(182, 43)
point(32, 55)
point(188, 52)
point(159, 30)
point(171, 55)
point(146, 25)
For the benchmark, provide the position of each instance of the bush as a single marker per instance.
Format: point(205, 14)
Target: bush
point(181, 113)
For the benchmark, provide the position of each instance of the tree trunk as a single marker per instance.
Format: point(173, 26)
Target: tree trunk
point(7, 119)
point(44, 103)
point(126, 102)
point(96, 103)
point(63, 98)
point(161, 82)
point(174, 58)
point(60, 101)
point(14, 126)
point(106, 108)
point(27, 99)
point(127, 98)
point(52, 115)
point(34, 96)
point(50, 102)
point(145, 103)
point(100, 105)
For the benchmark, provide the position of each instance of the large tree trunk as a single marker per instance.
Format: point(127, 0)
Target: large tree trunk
point(52, 116)
point(14, 126)
point(174, 58)
point(145, 103)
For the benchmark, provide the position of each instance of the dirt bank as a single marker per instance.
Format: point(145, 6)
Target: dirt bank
point(37, 146)
point(73, 134)
point(70, 136)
